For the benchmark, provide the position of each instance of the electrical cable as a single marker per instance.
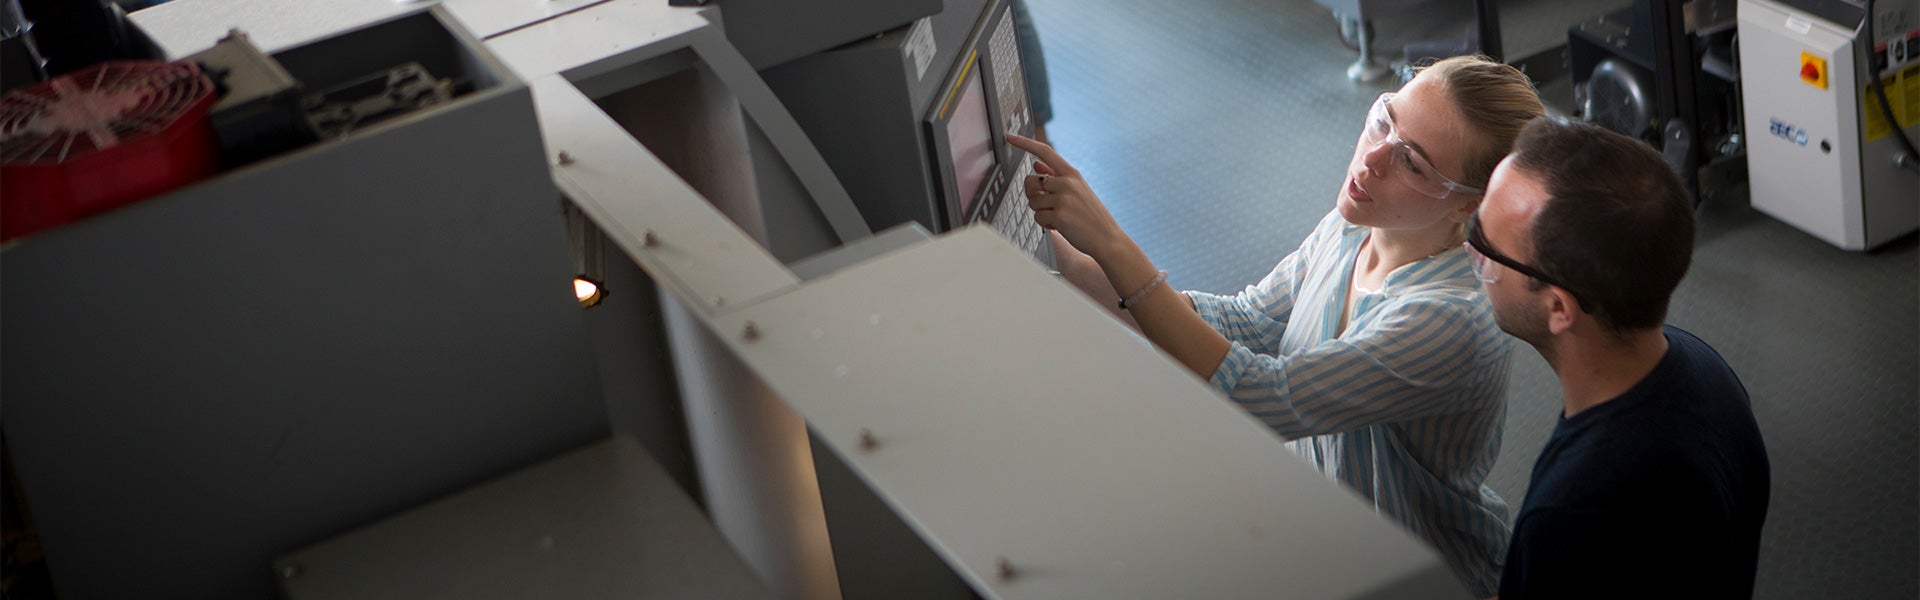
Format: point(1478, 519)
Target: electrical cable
point(1880, 91)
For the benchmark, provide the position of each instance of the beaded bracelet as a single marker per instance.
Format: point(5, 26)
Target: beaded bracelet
point(1134, 300)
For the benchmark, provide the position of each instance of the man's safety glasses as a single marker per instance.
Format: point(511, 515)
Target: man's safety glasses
point(1480, 252)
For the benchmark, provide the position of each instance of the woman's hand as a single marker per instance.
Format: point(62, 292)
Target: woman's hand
point(1062, 201)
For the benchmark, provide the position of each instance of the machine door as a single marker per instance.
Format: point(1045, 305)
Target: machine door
point(1803, 155)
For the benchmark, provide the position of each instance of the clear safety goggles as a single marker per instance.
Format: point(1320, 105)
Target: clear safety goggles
point(1412, 167)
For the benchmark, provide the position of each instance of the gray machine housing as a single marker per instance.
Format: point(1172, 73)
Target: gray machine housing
point(873, 108)
point(863, 106)
point(879, 111)
point(1811, 161)
point(771, 32)
point(605, 521)
point(200, 382)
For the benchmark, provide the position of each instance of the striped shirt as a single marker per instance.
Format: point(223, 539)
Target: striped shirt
point(1406, 406)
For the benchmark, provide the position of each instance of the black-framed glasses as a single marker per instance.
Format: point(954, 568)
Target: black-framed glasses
point(1483, 252)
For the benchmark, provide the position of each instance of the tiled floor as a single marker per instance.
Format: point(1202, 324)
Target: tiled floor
point(1218, 130)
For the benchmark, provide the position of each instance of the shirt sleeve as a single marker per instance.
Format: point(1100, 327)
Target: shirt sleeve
point(1256, 317)
point(1398, 368)
point(1542, 562)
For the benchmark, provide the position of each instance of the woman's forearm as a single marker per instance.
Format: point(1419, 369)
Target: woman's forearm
point(1085, 274)
point(1165, 316)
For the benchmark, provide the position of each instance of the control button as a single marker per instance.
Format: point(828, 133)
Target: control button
point(1813, 70)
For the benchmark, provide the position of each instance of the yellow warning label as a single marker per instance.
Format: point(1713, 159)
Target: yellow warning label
point(1903, 94)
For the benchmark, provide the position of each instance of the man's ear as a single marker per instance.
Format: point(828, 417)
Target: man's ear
point(1563, 311)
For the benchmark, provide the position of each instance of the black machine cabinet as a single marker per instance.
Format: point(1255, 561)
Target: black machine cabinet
point(1655, 72)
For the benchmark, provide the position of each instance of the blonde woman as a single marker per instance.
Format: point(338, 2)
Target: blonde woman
point(1371, 348)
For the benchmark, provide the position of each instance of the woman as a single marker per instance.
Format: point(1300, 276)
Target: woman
point(1370, 347)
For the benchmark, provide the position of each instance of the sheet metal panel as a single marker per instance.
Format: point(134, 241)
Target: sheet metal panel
point(625, 41)
point(698, 254)
point(603, 521)
point(1011, 420)
point(183, 27)
point(616, 34)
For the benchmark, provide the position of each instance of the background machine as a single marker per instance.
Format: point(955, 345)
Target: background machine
point(933, 99)
point(1664, 71)
point(1823, 155)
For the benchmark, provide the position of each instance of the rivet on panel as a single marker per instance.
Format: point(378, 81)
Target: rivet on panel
point(650, 239)
point(868, 443)
point(565, 159)
point(751, 333)
point(1005, 568)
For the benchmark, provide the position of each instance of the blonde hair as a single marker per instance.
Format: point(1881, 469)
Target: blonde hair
point(1496, 99)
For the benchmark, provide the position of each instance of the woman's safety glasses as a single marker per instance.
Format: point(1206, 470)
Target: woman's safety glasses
point(1414, 169)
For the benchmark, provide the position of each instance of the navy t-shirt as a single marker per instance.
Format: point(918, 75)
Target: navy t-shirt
point(1659, 492)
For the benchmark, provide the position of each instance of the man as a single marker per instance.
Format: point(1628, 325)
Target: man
point(1655, 480)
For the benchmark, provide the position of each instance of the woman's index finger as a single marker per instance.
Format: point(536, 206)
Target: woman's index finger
point(1042, 152)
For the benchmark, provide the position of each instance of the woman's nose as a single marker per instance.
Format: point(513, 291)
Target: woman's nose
point(1376, 156)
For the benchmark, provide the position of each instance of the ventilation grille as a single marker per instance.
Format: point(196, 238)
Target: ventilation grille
point(96, 108)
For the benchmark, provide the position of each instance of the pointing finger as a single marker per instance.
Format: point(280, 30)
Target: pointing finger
point(1042, 153)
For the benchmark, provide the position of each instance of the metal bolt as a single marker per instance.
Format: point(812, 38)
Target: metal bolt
point(868, 443)
point(290, 570)
point(565, 158)
point(1005, 568)
point(751, 333)
point(649, 239)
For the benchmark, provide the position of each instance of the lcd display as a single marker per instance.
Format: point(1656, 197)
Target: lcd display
point(970, 138)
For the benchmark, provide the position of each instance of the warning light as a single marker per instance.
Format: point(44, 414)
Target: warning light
point(1813, 70)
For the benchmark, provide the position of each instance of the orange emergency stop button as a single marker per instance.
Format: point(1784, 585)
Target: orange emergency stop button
point(1813, 70)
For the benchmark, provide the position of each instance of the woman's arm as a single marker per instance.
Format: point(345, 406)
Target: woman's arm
point(1421, 358)
point(1062, 201)
point(1256, 317)
point(1084, 274)
point(1165, 316)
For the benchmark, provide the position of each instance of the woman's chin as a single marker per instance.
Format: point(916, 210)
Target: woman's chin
point(1349, 209)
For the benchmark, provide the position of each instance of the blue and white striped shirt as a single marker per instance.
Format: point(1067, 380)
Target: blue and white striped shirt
point(1406, 406)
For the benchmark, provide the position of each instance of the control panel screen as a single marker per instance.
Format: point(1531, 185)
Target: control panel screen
point(970, 138)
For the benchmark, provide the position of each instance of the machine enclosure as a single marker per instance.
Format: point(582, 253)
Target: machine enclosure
point(1813, 158)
